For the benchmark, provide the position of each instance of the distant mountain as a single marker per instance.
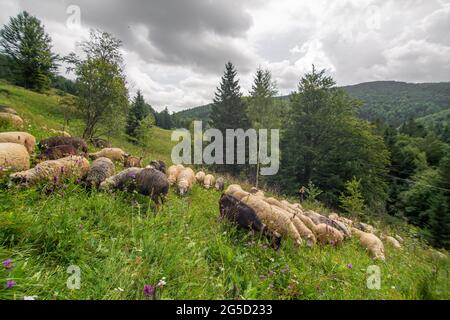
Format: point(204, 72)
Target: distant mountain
point(391, 101)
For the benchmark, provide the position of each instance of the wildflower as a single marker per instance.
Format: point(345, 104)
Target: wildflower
point(161, 283)
point(271, 286)
point(7, 264)
point(332, 242)
point(149, 290)
point(55, 179)
point(10, 284)
point(270, 273)
point(81, 227)
point(350, 266)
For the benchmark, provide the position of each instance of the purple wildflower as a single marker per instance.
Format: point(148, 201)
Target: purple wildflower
point(332, 242)
point(7, 263)
point(350, 266)
point(55, 179)
point(10, 284)
point(81, 227)
point(149, 290)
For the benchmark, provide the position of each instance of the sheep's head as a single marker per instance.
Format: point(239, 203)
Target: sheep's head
point(183, 187)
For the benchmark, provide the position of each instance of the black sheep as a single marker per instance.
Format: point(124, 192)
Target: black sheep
point(153, 183)
point(77, 143)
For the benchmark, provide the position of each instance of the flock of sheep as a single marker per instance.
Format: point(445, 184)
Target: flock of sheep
point(63, 157)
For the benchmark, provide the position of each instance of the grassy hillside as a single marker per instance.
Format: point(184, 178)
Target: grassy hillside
point(392, 101)
point(119, 244)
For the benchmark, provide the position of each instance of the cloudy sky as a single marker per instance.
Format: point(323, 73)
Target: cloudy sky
point(175, 50)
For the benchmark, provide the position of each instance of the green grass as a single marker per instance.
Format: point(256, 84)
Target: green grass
point(119, 242)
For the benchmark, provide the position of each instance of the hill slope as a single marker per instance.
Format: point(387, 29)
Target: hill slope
point(119, 244)
point(395, 102)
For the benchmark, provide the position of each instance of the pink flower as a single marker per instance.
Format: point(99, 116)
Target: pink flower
point(350, 266)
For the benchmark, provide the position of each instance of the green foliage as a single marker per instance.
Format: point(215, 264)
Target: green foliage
point(325, 142)
point(143, 131)
point(28, 47)
point(138, 111)
point(352, 201)
point(164, 119)
point(101, 85)
point(312, 192)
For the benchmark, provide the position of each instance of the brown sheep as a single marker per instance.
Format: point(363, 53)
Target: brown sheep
point(58, 152)
point(14, 156)
point(124, 180)
point(132, 161)
point(158, 165)
point(371, 243)
point(101, 169)
point(77, 143)
point(220, 184)
point(68, 167)
point(23, 138)
point(328, 235)
point(13, 119)
point(101, 143)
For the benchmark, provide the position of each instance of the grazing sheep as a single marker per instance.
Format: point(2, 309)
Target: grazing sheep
point(60, 133)
point(371, 243)
point(365, 227)
point(158, 165)
point(246, 217)
point(58, 152)
point(400, 239)
point(101, 169)
point(173, 172)
point(100, 143)
point(220, 184)
point(5, 109)
point(23, 138)
point(256, 192)
point(304, 232)
point(68, 167)
point(391, 241)
point(185, 180)
point(114, 154)
point(200, 176)
point(77, 143)
point(279, 223)
point(318, 219)
point(14, 156)
point(328, 235)
point(13, 119)
point(232, 188)
point(124, 180)
point(333, 216)
point(132, 161)
point(209, 181)
point(153, 183)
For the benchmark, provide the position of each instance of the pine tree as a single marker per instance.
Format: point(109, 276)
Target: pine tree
point(24, 40)
point(138, 111)
point(229, 111)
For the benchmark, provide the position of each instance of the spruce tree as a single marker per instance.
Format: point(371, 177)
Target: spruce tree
point(25, 42)
point(138, 111)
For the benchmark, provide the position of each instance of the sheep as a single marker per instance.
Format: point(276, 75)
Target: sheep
point(114, 154)
point(152, 182)
point(68, 167)
point(246, 217)
point(318, 219)
point(23, 138)
point(232, 188)
point(173, 172)
point(14, 156)
point(101, 169)
point(124, 180)
point(100, 143)
point(219, 184)
point(77, 143)
point(158, 165)
point(399, 239)
point(328, 235)
point(333, 216)
point(371, 243)
point(365, 227)
point(132, 161)
point(5, 109)
point(200, 176)
point(185, 180)
point(279, 223)
point(256, 192)
point(209, 181)
point(58, 152)
point(391, 241)
point(13, 119)
point(60, 133)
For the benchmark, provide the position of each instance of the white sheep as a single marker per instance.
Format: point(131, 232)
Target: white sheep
point(114, 154)
point(200, 176)
point(173, 172)
point(391, 241)
point(371, 243)
point(24, 138)
point(185, 180)
point(68, 167)
point(209, 181)
point(326, 234)
point(14, 156)
point(14, 119)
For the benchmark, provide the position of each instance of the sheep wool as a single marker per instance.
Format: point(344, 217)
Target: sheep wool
point(14, 119)
point(220, 183)
point(124, 180)
point(58, 152)
point(257, 192)
point(391, 241)
point(371, 243)
point(209, 181)
point(14, 156)
point(173, 172)
point(152, 182)
point(6, 109)
point(77, 143)
point(232, 188)
point(132, 161)
point(114, 154)
point(101, 169)
point(200, 176)
point(185, 180)
point(68, 167)
point(158, 165)
point(23, 138)
point(328, 235)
